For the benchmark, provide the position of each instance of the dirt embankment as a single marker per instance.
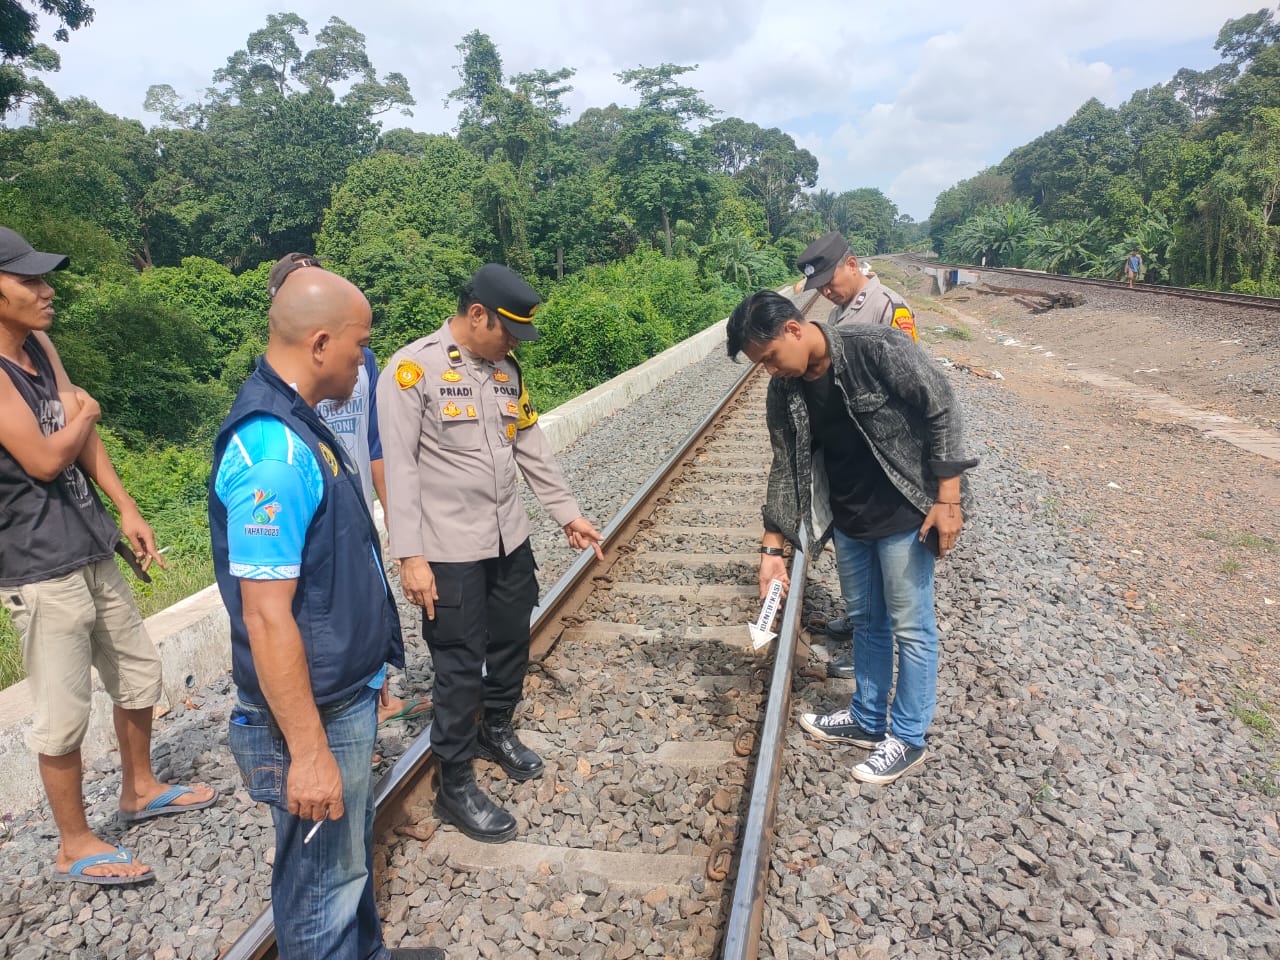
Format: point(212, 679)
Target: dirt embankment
point(1196, 519)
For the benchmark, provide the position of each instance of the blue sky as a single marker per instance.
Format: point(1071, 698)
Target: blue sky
point(909, 96)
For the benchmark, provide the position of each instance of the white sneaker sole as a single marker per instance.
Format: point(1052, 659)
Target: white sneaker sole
point(866, 776)
point(819, 734)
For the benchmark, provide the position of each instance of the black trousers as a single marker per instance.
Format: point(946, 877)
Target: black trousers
point(479, 643)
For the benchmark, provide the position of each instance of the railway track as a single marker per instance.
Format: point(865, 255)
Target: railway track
point(1142, 289)
point(661, 729)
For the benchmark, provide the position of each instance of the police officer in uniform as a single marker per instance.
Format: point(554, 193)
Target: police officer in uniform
point(456, 424)
point(832, 268)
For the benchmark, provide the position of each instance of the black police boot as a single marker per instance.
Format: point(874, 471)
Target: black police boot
point(461, 803)
point(840, 665)
point(496, 741)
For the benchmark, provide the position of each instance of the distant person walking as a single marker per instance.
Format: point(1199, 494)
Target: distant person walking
point(1132, 267)
point(59, 579)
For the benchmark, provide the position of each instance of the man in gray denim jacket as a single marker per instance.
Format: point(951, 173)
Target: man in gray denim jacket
point(867, 449)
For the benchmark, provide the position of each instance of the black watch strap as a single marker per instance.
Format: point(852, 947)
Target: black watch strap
point(771, 551)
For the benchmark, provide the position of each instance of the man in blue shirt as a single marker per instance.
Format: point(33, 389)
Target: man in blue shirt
point(313, 620)
point(355, 422)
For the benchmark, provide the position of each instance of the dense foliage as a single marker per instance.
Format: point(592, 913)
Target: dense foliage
point(1186, 172)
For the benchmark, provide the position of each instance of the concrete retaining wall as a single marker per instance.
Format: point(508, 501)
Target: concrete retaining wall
point(192, 635)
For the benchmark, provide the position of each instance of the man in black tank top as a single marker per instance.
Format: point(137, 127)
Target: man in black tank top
point(57, 545)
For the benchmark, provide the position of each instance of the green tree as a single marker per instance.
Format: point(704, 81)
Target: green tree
point(20, 53)
point(661, 165)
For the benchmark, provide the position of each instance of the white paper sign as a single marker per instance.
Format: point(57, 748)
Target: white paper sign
point(760, 632)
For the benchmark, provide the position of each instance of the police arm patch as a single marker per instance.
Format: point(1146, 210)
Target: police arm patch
point(408, 373)
point(904, 321)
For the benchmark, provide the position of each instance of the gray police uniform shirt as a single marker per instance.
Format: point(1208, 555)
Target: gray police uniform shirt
point(454, 432)
point(875, 303)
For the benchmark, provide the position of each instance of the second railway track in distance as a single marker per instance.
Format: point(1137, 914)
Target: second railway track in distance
point(647, 704)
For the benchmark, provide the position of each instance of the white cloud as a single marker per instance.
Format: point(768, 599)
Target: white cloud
point(908, 96)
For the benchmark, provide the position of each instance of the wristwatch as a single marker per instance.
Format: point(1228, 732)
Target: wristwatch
point(771, 551)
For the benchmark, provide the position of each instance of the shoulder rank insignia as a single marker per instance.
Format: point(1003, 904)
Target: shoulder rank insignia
point(330, 460)
point(500, 376)
point(454, 354)
point(407, 374)
point(471, 411)
point(511, 431)
point(452, 376)
point(451, 410)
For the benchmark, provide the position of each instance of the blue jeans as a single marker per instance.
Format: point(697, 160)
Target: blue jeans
point(324, 888)
point(888, 591)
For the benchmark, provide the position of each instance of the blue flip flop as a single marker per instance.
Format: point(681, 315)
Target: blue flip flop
point(77, 872)
point(164, 805)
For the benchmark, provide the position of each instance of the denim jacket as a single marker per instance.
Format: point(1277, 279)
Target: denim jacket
point(900, 401)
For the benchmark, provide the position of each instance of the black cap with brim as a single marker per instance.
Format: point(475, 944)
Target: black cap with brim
point(281, 269)
point(505, 292)
point(820, 259)
point(18, 256)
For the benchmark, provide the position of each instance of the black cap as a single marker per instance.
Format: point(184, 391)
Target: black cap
point(17, 256)
point(504, 291)
point(285, 266)
point(819, 261)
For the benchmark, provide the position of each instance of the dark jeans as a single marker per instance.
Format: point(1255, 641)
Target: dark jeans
point(322, 891)
point(479, 643)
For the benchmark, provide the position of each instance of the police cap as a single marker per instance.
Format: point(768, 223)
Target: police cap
point(819, 261)
point(285, 266)
point(505, 292)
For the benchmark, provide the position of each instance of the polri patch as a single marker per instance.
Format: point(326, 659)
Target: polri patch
point(407, 374)
point(325, 452)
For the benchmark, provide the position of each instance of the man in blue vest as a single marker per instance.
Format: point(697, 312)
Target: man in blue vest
point(312, 620)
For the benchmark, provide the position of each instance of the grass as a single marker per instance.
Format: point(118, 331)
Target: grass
point(1233, 538)
point(1230, 566)
point(1267, 784)
point(1255, 713)
point(187, 574)
point(957, 333)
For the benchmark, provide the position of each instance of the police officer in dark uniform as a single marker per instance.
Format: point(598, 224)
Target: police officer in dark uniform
point(456, 425)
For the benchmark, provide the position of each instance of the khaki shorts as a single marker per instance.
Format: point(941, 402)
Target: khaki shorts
point(66, 624)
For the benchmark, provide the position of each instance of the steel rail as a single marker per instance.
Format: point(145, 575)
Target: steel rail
point(742, 930)
point(258, 940)
point(1185, 293)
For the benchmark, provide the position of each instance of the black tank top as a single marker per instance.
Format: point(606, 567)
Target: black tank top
point(47, 529)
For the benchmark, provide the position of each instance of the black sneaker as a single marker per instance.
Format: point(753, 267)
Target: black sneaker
point(890, 760)
point(839, 727)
